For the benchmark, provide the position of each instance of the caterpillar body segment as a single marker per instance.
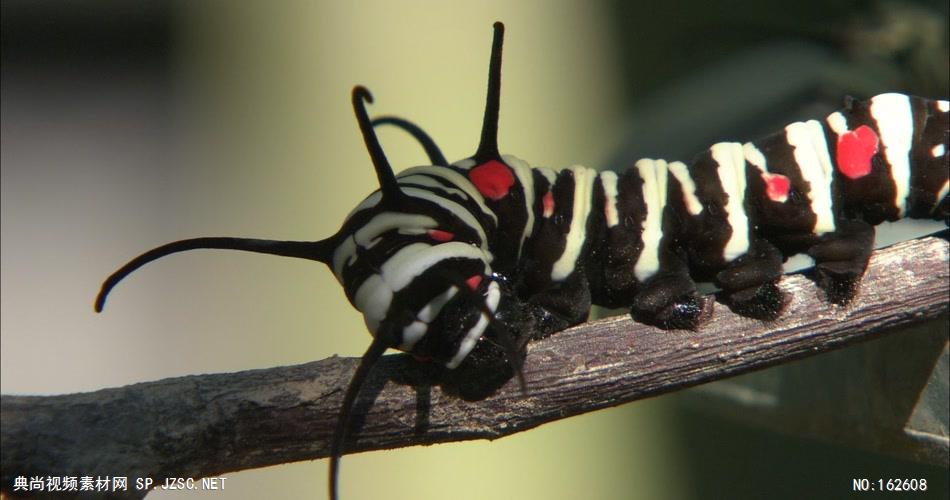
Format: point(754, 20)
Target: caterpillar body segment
point(463, 264)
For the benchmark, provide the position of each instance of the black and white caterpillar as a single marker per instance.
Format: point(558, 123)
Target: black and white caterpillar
point(462, 264)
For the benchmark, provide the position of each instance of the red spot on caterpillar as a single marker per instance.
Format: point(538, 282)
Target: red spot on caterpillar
point(776, 186)
point(493, 179)
point(474, 281)
point(440, 235)
point(855, 149)
point(548, 203)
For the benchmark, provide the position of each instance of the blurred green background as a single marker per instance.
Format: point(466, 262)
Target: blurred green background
point(128, 125)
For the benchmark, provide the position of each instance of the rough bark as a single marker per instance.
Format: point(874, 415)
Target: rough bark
point(203, 425)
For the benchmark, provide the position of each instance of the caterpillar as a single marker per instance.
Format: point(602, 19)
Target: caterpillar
point(462, 264)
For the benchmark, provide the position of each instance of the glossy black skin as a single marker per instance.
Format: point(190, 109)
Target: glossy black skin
point(692, 246)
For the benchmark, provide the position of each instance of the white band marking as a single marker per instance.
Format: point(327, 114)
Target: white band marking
point(608, 180)
point(681, 172)
point(574, 241)
point(838, 123)
point(417, 329)
point(526, 178)
point(548, 174)
point(731, 171)
point(811, 153)
point(653, 174)
point(456, 179)
point(457, 210)
point(372, 299)
point(471, 338)
point(895, 122)
point(414, 259)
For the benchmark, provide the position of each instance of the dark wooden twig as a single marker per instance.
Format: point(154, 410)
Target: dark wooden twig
point(203, 425)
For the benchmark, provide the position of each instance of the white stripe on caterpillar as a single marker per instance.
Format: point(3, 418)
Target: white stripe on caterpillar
point(653, 174)
point(608, 180)
point(471, 338)
point(731, 174)
point(681, 172)
point(895, 122)
point(811, 153)
point(576, 234)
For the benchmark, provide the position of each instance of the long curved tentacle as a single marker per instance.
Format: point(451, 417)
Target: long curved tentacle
point(321, 251)
point(431, 148)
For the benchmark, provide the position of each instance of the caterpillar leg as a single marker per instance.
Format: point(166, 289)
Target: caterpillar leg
point(841, 258)
point(670, 301)
point(489, 366)
point(483, 372)
point(563, 305)
point(750, 284)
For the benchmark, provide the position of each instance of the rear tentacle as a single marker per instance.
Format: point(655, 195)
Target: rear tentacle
point(321, 251)
point(431, 148)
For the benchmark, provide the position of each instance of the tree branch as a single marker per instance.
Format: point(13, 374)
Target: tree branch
point(205, 425)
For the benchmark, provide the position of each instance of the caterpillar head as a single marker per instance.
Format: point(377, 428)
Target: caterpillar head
point(414, 256)
point(420, 276)
point(416, 264)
